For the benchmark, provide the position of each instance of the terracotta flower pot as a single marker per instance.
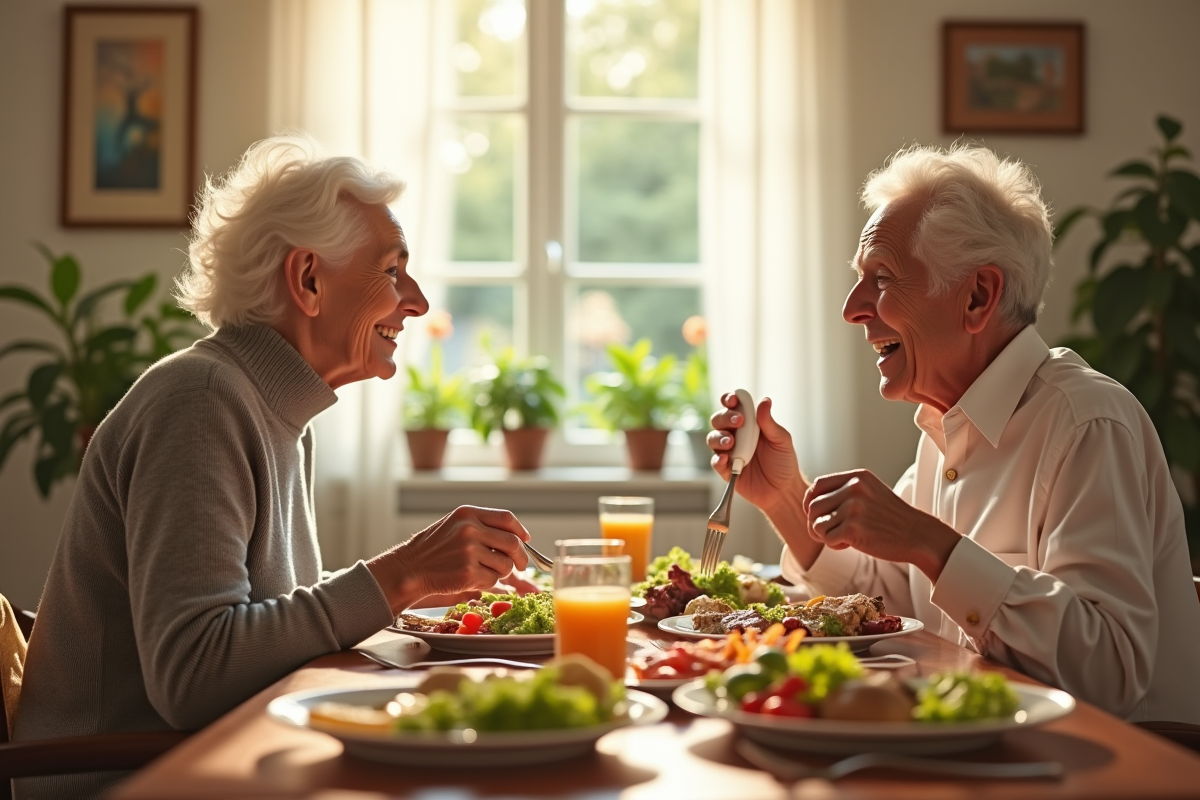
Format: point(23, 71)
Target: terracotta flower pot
point(427, 447)
point(524, 447)
point(646, 447)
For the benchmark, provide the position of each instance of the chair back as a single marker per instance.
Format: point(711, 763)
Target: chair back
point(1196, 580)
point(12, 667)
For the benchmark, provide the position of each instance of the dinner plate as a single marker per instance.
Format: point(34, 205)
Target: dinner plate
point(682, 626)
point(1039, 705)
point(636, 602)
point(529, 644)
point(451, 748)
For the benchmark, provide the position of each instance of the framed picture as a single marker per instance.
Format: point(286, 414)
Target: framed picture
point(129, 116)
point(1009, 77)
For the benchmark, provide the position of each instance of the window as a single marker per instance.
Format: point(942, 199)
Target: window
point(564, 199)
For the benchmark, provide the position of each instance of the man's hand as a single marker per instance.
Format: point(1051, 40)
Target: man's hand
point(856, 509)
point(469, 550)
point(774, 471)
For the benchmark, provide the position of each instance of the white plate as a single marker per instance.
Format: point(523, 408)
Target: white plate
point(682, 625)
point(529, 644)
point(449, 749)
point(1039, 705)
point(636, 602)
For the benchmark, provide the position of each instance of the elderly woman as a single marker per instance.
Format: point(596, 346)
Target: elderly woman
point(188, 575)
point(1038, 525)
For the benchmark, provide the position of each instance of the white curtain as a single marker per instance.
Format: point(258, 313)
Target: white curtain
point(320, 84)
point(777, 234)
point(781, 236)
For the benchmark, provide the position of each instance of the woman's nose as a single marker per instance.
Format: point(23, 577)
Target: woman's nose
point(412, 299)
point(859, 307)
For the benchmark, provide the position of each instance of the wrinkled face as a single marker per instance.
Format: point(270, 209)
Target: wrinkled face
point(917, 337)
point(365, 303)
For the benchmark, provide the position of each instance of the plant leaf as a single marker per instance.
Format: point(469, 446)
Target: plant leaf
point(1120, 295)
point(64, 279)
point(1122, 359)
point(1182, 441)
point(57, 429)
point(1148, 389)
point(1176, 150)
point(1181, 337)
point(139, 292)
point(41, 383)
point(1134, 168)
point(1183, 188)
point(87, 303)
point(15, 429)
point(1063, 225)
point(1158, 289)
point(1085, 297)
point(26, 345)
point(23, 295)
point(45, 470)
point(107, 337)
point(1170, 128)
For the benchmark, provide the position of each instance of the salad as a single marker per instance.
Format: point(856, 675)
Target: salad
point(696, 659)
point(503, 614)
point(572, 692)
point(827, 681)
point(671, 583)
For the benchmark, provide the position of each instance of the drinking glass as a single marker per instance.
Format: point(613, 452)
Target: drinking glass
point(591, 601)
point(631, 519)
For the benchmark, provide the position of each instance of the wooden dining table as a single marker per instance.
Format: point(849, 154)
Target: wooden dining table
point(247, 754)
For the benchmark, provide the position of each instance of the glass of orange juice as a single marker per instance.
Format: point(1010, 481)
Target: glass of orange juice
point(631, 519)
point(591, 601)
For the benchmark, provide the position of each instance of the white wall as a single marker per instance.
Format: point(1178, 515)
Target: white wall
point(232, 112)
point(1141, 60)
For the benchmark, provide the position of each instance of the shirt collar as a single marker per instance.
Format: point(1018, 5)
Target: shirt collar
point(991, 400)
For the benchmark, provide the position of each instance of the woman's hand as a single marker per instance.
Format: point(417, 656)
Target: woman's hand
point(856, 509)
point(774, 472)
point(469, 550)
point(513, 584)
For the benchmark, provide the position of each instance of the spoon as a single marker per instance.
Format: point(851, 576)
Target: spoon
point(540, 561)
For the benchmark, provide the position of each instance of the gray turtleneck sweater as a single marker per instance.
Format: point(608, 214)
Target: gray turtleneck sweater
point(188, 575)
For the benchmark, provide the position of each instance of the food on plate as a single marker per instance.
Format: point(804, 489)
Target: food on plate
point(848, 615)
point(828, 682)
point(695, 659)
point(573, 692)
point(672, 582)
point(707, 613)
point(501, 614)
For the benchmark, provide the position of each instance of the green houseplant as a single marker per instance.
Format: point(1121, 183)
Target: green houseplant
point(434, 402)
point(639, 396)
point(1142, 296)
point(88, 370)
point(518, 396)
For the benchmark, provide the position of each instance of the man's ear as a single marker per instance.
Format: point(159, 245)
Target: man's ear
point(986, 286)
point(300, 275)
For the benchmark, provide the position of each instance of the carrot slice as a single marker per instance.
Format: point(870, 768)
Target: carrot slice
point(793, 640)
point(814, 601)
point(773, 633)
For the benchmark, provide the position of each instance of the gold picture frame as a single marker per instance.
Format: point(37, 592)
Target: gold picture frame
point(1013, 77)
point(129, 116)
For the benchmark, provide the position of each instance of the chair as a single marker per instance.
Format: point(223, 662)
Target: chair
point(1180, 733)
point(98, 753)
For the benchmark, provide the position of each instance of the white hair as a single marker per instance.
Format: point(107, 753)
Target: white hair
point(283, 194)
point(979, 209)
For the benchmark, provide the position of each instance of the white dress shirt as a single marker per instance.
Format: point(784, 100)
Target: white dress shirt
point(1073, 567)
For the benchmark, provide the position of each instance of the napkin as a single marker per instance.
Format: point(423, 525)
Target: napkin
point(401, 649)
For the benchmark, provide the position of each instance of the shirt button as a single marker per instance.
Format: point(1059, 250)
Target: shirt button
point(951, 474)
point(973, 618)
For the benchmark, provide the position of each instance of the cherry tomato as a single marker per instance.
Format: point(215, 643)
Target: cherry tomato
point(471, 621)
point(752, 702)
point(499, 607)
point(777, 706)
point(791, 686)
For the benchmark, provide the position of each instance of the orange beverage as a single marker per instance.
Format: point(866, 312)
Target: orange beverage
point(637, 530)
point(592, 621)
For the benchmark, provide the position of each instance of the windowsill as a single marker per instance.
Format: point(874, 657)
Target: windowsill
point(555, 490)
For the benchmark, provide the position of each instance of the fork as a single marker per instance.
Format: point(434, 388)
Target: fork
point(786, 769)
point(504, 662)
point(743, 451)
point(542, 562)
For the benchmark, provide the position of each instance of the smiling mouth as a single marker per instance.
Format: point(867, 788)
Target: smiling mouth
point(387, 332)
point(886, 347)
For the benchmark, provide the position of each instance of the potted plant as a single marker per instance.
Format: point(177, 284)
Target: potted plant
point(434, 402)
point(89, 370)
point(519, 397)
point(696, 395)
point(1144, 303)
point(641, 397)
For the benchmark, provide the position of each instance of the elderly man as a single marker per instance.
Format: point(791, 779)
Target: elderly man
point(188, 575)
point(1038, 525)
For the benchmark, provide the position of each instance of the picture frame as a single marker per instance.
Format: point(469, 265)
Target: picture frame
point(1013, 77)
point(129, 116)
